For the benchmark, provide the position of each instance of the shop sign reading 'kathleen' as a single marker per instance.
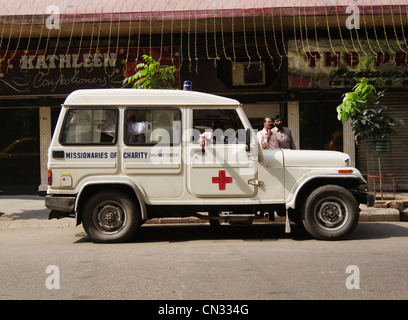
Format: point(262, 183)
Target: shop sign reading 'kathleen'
point(35, 72)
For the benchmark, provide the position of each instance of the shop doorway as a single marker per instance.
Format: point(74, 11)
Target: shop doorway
point(55, 112)
point(19, 151)
point(319, 127)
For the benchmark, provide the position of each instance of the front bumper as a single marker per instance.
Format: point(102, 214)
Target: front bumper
point(60, 203)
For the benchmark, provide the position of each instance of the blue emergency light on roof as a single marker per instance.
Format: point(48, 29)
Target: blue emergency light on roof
point(188, 85)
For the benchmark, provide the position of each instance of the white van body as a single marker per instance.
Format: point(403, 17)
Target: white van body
point(119, 157)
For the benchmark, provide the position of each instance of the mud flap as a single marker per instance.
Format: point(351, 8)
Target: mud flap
point(287, 223)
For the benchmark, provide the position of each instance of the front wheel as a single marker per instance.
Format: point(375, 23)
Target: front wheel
point(330, 213)
point(110, 216)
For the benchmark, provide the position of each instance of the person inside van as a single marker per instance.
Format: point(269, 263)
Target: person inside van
point(214, 136)
point(136, 130)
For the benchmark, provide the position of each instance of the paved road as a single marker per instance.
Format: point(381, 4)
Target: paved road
point(185, 262)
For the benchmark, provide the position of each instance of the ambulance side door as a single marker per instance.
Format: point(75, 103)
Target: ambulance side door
point(152, 153)
point(223, 167)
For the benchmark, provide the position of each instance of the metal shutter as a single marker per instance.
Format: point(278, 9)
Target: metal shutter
point(396, 161)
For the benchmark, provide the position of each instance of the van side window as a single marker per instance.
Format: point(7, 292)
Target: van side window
point(222, 125)
point(90, 126)
point(153, 126)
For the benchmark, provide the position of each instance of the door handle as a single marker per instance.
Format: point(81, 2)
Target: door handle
point(255, 182)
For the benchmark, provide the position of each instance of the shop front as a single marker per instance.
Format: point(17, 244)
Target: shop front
point(319, 74)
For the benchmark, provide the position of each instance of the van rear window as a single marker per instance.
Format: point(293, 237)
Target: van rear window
point(90, 126)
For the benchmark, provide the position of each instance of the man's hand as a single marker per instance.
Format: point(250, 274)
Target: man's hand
point(268, 133)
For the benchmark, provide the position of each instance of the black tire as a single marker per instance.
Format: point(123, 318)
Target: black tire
point(110, 216)
point(330, 213)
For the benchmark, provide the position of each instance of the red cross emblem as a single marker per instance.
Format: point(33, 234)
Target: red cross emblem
point(222, 180)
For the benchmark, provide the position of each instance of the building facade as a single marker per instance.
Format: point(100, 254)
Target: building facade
point(291, 59)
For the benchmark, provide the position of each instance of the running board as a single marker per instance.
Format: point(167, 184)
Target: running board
point(223, 216)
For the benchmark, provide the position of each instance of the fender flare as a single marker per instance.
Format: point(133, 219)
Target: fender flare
point(128, 184)
point(328, 179)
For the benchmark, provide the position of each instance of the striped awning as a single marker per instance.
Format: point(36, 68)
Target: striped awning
point(185, 9)
point(258, 25)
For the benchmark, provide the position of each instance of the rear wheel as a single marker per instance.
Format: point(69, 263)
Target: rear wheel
point(110, 216)
point(330, 213)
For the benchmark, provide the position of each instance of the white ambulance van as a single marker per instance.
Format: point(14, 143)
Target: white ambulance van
point(119, 157)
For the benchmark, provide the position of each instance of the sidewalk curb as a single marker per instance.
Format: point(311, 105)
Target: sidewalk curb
point(379, 214)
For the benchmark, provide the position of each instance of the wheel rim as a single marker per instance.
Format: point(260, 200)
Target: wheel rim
point(331, 213)
point(110, 217)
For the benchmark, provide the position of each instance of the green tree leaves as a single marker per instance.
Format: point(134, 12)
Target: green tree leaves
point(152, 75)
point(368, 117)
